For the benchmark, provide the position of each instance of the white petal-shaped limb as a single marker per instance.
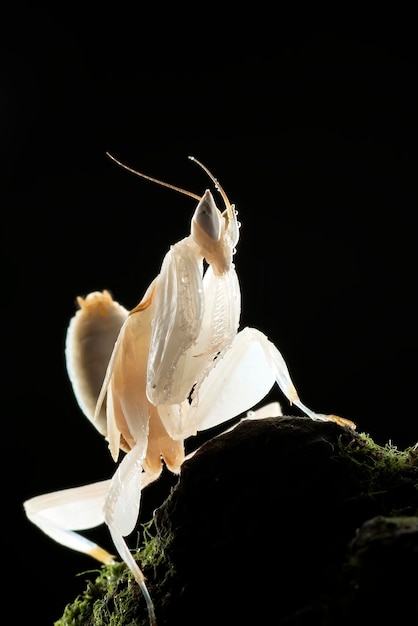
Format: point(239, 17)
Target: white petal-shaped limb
point(121, 510)
point(194, 319)
point(272, 409)
point(177, 320)
point(121, 505)
point(60, 513)
point(222, 311)
point(239, 378)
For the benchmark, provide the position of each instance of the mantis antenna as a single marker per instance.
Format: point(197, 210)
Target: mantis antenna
point(155, 180)
point(218, 186)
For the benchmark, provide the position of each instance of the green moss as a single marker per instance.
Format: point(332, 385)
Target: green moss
point(381, 481)
point(382, 470)
point(153, 555)
point(113, 598)
point(89, 608)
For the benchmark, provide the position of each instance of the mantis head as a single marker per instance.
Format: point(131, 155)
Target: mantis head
point(215, 233)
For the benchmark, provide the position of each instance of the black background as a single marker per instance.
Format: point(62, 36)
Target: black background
point(311, 129)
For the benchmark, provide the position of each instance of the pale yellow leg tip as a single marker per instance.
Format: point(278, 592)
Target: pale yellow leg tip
point(102, 555)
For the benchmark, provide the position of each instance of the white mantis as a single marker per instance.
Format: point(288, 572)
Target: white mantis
point(152, 377)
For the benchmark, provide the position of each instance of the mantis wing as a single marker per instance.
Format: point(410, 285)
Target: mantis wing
point(89, 342)
point(127, 406)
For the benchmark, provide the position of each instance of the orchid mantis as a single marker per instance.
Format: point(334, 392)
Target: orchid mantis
point(152, 377)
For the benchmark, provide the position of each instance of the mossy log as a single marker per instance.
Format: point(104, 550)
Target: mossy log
point(282, 521)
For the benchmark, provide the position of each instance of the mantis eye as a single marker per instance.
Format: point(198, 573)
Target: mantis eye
point(206, 220)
